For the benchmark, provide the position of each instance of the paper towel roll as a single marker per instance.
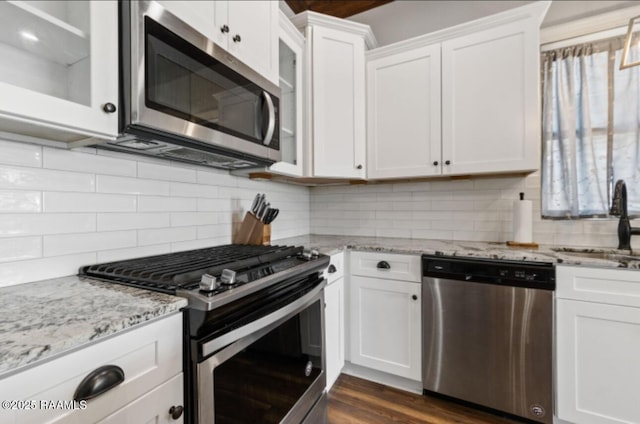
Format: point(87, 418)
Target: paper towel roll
point(522, 220)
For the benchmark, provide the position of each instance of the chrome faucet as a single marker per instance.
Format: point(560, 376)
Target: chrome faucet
point(619, 208)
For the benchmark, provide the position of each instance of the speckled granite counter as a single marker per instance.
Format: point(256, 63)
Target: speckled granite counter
point(610, 258)
point(42, 319)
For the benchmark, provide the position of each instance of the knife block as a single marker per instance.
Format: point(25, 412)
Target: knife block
point(253, 231)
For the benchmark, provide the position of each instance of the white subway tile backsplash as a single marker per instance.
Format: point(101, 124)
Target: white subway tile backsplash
point(134, 252)
point(18, 178)
point(182, 219)
point(86, 205)
point(88, 202)
point(16, 225)
point(20, 154)
point(124, 185)
point(132, 221)
point(193, 190)
point(17, 249)
point(18, 272)
point(164, 235)
point(164, 172)
point(20, 201)
point(65, 244)
point(166, 204)
point(477, 209)
point(67, 160)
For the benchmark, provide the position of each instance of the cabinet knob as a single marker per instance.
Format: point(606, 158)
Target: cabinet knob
point(359, 167)
point(176, 411)
point(236, 38)
point(383, 265)
point(332, 269)
point(414, 297)
point(447, 162)
point(109, 107)
point(224, 28)
point(435, 163)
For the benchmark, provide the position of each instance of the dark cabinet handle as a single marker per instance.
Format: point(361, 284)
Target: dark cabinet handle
point(359, 167)
point(99, 381)
point(447, 162)
point(224, 28)
point(332, 269)
point(176, 411)
point(414, 297)
point(236, 38)
point(435, 163)
point(383, 265)
point(109, 107)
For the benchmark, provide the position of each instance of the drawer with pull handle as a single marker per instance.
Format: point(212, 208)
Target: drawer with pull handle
point(99, 379)
point(390, 266)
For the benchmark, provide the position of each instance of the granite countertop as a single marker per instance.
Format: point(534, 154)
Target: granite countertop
point(595, 257)
point(42, 319)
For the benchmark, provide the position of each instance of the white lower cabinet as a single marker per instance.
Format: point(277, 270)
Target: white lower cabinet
point(598, 345)
point(150, 357)
point(385, 325)
point(334, 314)
point(159, 406)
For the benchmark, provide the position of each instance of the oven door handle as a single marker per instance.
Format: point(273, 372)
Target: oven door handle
point(272, 118)
point(267, 322)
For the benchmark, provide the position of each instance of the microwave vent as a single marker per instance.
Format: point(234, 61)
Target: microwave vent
point(206, 158)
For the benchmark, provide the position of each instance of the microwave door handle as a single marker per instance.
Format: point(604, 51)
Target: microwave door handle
point(272, 119)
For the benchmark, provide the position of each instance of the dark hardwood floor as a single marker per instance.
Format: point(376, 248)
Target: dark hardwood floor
point(353, 400)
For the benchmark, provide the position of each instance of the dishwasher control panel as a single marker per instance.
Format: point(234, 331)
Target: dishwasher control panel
point(494, 271)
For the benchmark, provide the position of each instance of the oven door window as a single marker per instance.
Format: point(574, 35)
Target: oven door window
point(264, 381)
point(183, 81)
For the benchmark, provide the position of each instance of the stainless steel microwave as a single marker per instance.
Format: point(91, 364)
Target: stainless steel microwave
point(184, 98)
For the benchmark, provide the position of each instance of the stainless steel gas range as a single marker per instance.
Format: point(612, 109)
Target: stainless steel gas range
point(254, 345)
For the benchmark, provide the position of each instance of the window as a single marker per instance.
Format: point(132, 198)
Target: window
point(590, 130)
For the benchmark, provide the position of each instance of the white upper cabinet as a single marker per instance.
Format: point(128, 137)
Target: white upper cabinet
point(403, 114)
point(59, 68)
point(249, 30)
point(198, 14)
point(291, 100)
point(490, 100)
point(335, 95)
point(464, 100)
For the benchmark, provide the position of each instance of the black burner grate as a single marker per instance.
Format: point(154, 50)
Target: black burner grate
point(172, 271)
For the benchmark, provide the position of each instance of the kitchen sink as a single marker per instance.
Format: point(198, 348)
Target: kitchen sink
point(595, 254)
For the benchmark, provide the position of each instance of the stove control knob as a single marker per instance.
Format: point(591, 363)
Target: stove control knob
point(315, 253)
point(308, 254)
point(228, 277)
point(209, 283)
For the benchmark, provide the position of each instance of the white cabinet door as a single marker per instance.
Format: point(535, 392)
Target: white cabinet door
point(291, 101)
point(386, 325)
point(490, 106)
point(598, 371)
point(156, 407)
point(338, 87)
point(249, 30)
point(403, 114)
point(59, 67)
point(198, 14)
point(334, 329)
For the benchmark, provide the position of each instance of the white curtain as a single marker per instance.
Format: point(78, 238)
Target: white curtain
point(590, 130)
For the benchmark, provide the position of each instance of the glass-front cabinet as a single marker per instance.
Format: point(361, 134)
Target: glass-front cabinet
point(59, 68)
point(291, 61)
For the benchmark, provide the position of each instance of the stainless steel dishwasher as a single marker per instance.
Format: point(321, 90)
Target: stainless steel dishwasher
point(488, 333)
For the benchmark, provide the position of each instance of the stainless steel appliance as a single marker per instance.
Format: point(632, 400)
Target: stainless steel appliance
point(184, 98)
point(254, 345)
point(488, 333)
